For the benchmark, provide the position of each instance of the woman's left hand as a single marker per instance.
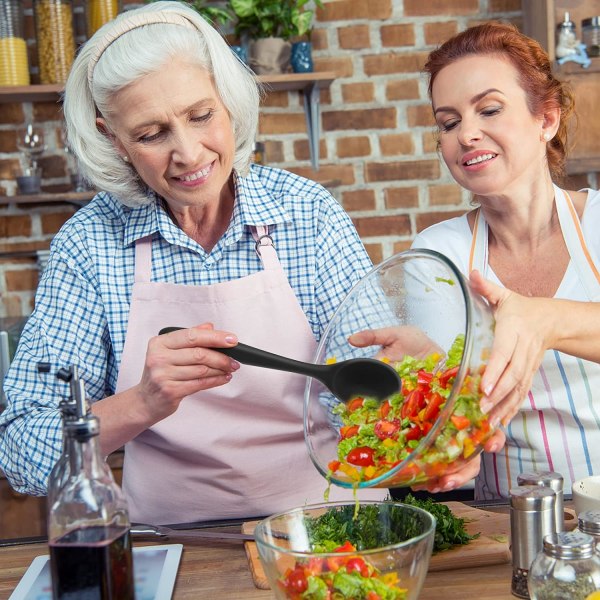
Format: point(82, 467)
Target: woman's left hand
point(517, 351)
point(469, 471)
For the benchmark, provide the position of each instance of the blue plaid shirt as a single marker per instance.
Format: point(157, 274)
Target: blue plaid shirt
point(82, 302)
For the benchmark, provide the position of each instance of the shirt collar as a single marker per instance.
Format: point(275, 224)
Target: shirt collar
point(254, 205)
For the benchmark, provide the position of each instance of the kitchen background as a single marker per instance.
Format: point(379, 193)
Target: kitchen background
point(377, 148)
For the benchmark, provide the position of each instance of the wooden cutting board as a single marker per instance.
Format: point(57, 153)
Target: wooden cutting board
point(490, 548)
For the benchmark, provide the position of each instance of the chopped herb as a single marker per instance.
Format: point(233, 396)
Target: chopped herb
point(449, 530)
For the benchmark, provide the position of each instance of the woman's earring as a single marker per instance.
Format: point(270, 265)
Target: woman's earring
point(547, 137)
point(126, 158)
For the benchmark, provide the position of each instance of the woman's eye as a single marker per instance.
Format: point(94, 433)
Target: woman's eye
point(149, 137)
point(203, 117)
point(488, 112)
point(448, 125)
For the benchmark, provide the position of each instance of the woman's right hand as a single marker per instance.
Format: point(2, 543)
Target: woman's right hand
point(182, 363)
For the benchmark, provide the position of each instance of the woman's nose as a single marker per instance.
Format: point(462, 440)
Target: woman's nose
point(186, 147)
point(469, 132)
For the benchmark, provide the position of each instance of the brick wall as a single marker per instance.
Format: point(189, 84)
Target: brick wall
point(377, 148)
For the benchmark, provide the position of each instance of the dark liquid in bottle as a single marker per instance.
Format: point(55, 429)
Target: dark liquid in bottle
point(92, 563)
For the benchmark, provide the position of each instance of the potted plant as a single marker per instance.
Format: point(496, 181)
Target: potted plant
point(268, 26)
point(216, 15)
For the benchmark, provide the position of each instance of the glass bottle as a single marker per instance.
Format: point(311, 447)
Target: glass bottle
point(99, 12)
point(55, 39)
point(567, 567)
point(88, 523)
point(14, 64)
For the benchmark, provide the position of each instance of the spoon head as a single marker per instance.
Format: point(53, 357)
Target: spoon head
point(364, 377)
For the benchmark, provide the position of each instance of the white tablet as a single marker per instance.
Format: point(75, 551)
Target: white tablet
point(155, 569)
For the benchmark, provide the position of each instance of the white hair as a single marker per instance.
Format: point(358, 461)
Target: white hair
point(138, 52)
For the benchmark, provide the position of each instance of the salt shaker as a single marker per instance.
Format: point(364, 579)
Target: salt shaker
point(553, 481)
point(567, 568)
point(588, 522)
point(532, 517)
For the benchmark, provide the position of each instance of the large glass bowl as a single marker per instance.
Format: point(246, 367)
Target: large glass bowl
point(343, 551)
point(438, 335)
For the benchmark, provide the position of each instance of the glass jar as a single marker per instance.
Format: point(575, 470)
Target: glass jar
point(567, 567)
point(55, 39)
point(99, 12)
point(14, 65)
point(590, 32)
point(588, 522)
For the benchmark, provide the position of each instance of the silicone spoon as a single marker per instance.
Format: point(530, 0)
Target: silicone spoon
point(346, 379)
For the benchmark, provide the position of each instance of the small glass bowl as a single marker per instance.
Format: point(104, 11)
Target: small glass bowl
point(391, 544)
point(439, 335)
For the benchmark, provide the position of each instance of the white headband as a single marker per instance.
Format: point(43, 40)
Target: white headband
point(133, 22)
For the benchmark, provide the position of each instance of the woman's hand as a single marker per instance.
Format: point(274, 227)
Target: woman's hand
point(469, 471)
point(520, 341)
point(182, 363)
point(396, 342)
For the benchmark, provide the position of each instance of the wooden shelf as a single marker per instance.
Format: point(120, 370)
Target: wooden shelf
point(307, 83)
point(43, 197)
point(274, 83)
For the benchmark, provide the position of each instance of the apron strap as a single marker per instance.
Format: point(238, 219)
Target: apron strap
point(264, 247)
point(583, 260)
point(478, 256)
point(143, 259)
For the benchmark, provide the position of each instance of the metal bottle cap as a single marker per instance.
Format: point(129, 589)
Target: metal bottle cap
point(589, 522)
point(549, 479)
point(532, 498)
point(569, 544)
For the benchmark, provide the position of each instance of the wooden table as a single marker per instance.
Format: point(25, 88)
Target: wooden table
point(220, 570)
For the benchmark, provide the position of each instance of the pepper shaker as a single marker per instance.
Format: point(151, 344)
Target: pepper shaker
point(553, 481)
point(588, 522)
point(532, 517)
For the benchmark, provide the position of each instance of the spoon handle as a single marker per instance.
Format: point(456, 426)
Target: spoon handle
point(249, 355)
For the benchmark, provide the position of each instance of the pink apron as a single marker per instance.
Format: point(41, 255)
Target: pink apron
point(237, 450)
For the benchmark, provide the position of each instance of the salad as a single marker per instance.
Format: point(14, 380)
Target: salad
point(348, 577)
point(377, 437)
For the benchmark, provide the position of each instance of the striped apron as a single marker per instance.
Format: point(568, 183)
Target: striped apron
point(558, 425)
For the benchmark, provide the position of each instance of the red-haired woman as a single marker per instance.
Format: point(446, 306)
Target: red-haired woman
point(502, 121)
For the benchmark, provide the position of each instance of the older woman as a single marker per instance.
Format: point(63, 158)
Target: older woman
point(187, 233)
point(503, 136)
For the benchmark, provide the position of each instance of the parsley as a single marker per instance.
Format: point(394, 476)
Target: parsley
point(449, 530)
point(370, 529)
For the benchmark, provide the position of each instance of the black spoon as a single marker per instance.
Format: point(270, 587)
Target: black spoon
point(346, 379)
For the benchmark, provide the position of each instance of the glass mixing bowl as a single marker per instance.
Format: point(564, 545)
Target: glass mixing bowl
point(339, 550)
point(437, 334)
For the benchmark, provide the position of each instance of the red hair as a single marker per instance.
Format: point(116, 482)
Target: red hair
point(543, 91)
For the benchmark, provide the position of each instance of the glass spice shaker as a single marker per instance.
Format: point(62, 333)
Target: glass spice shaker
point(567, 568)
point(531, 518)
point(14, 64)
point(588, 522)
point(99, 12)
point(55, 39)
point(590, 34)
point(553, 481)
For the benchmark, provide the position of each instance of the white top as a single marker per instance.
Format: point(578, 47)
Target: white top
point(558, 426)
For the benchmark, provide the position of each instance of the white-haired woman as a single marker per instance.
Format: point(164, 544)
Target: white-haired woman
point(162, 117)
